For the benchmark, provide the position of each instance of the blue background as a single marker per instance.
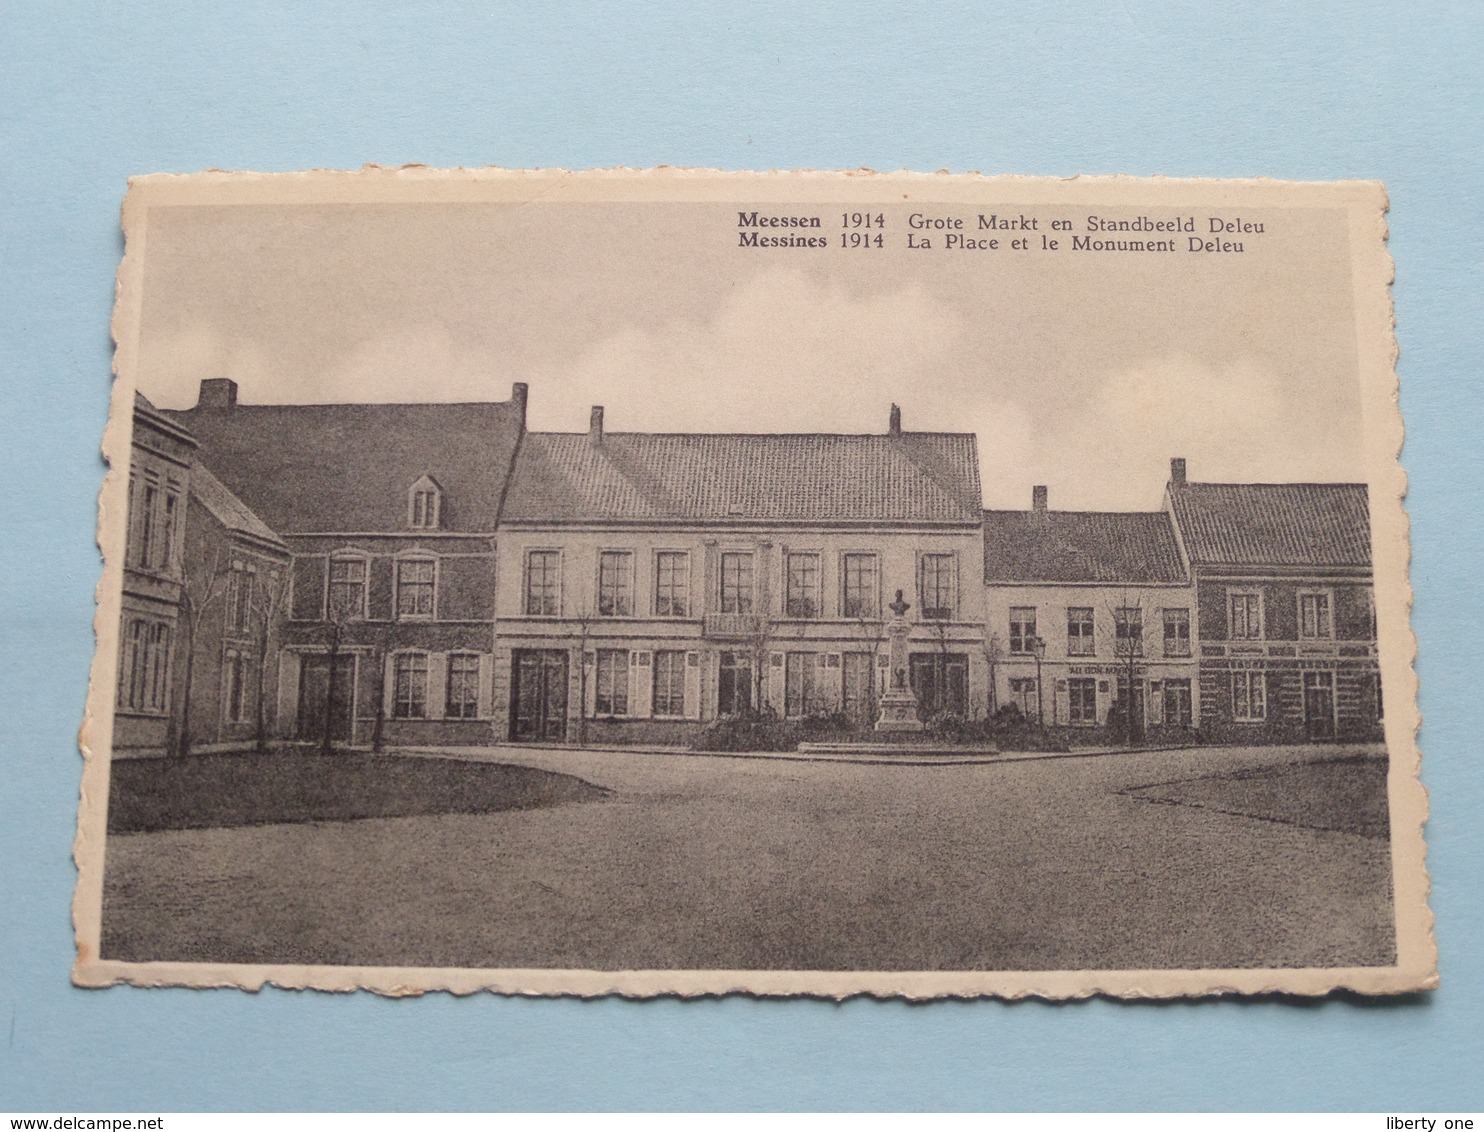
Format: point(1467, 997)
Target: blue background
point(90, 94)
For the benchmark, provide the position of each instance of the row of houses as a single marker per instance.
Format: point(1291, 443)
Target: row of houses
point(439, 574)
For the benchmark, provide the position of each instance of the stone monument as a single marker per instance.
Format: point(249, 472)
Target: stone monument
point(898, 703)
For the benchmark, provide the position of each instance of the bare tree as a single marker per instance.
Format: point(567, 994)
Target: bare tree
point(268, 602)
point(759, 643)
point(583, 621)
point(994, 652)
point(873, 633)
point(200, 590)
point(383, 645)
point(1128, 646)
point(338, 616)
point(942, 638)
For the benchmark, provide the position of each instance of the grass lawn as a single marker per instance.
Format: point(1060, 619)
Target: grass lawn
point(248, 788)
point(1346, 794)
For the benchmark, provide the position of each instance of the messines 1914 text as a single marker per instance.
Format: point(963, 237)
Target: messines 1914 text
point(923, 230)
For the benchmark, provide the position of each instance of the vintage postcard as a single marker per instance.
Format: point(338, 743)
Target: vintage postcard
point(684, 582)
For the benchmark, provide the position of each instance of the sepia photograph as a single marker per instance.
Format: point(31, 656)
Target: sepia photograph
point(684, 583)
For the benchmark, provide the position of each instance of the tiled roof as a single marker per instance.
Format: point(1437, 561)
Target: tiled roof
point(930, 477)
point(348, 468)
point(210, 493)
point(1080, 546)
point(1274, 524)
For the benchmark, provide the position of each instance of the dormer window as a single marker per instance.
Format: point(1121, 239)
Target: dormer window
point(424, 502)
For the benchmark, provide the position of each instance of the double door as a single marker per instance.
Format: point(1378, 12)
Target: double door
point(538, 694)
point(317, 706)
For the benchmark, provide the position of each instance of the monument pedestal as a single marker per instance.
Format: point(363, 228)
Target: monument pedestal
point(899, 712)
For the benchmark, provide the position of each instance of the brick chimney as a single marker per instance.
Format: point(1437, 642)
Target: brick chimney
point(518, 394)
point(1177, 471)
point(894, 427)
point(595, 426)
point(1038, 499)
point(217, 393)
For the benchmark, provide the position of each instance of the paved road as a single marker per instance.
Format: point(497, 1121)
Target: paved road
point(704, 862)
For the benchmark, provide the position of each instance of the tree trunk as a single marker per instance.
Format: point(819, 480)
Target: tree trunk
point(260, 722)
point(183, 739)
point(325, 744)
point(376, 724)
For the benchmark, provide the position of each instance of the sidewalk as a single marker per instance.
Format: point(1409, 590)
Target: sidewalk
point(957, 757)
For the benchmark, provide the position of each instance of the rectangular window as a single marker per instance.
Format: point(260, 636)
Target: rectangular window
point(240, 585)
point(543, 580)
point(147, 521)
point(802, 598)
point(611, 696)
point(410, 691)
point(861, 595)
point(1079, 632)
point(1128, 631)
point(168, 519)
point(736, 582)
point(1082, 702)
point(734, 688)
point(347, 596)
point(669, 682)
point(415, 583)
point(462, 698)
point(1249, 697)
point(1177, 711)
point(615, 583)
point(1315, 622)
point(1022, 628)
point(671, 583)
point(1244, 615)
point(1177, 632)
point(144, 669)
point(424, 508)
point(798, 688)
point(939, 586)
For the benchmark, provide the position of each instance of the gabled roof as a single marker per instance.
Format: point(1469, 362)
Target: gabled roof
point(812, 477)
point(1274, 524)
point(146, 413)
point(346, 468)
point(210, 493)
point(1109, 547)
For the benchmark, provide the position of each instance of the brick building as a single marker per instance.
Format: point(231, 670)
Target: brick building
point(389, 513)
point(161, 455)
point(1285, 607)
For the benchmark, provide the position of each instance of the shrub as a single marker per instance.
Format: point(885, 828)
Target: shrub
point(750, 731)
point(825, 726)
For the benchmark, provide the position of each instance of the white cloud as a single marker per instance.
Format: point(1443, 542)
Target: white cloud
point(1235, 423)
point(782, 354)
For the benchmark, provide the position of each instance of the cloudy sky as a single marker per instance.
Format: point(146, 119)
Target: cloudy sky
point(1082, 371)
